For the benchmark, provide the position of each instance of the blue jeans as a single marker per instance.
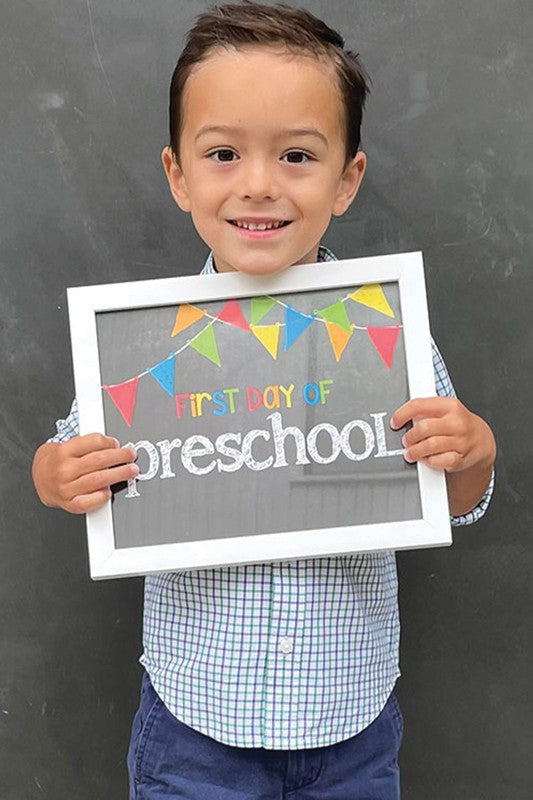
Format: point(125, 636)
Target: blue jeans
point(167, 759)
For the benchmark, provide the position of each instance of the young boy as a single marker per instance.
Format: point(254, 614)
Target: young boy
point(268, 679)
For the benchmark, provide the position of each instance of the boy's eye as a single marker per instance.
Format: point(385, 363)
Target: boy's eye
point(222, 155)
point(297, 157)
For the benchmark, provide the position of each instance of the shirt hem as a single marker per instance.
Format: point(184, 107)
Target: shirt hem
point(319, 739)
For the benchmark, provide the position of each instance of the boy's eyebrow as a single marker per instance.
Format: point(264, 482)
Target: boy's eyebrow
point(304, 132)
point(283, 133)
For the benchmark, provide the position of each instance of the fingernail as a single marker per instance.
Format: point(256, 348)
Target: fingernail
point(403, 441)
point(117, 443)
point(133, 452)
point(392, 423)
point(135, 470)
point(408, 458)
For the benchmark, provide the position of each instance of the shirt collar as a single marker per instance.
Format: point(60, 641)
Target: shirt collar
point(324, 254)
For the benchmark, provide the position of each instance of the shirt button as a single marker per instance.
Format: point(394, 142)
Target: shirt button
point(285, 645)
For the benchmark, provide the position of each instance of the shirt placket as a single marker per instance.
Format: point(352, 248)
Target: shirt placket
point(283, 664)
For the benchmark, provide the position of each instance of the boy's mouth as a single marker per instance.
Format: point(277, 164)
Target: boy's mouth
point(260, 225)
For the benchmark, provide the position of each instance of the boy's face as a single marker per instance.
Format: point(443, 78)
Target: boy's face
point(262, 144)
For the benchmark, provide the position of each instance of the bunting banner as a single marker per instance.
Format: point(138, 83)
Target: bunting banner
point(335, 318)
point(268, 335)
point(260, 308)
point(372, 296)
point(384, 340)
point(205, 344)
point(123, 396)
point(164, 374)
point(232, 314)
point(186, 316)
point(295, 324)
point(339, 338)
point(336, 314)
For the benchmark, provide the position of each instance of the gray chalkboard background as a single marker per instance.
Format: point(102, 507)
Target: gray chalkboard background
point(448, 133)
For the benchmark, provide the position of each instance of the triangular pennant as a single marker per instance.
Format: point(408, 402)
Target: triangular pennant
point(384, 340)
point(338, 337)
point(205, 344)
point(295, 325)
point(232, 313)
point(260, 307)
point(164, 374)
point(336, 313)
point(372, 295)
point(268, 335)
point(123, 396)
point(185, 317)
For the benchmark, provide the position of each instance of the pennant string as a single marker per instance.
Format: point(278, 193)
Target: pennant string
point(214, 319)
point(284, 305)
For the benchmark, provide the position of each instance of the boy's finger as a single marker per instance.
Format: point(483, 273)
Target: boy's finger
point(81, 445)
point(102, 479)
point(433, 446)
point(427, 427)
point(419, 407)
point(83, 503)
point(103, 459)
point(449, 461)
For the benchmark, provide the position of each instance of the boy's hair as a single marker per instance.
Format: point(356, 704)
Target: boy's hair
point(246, 24)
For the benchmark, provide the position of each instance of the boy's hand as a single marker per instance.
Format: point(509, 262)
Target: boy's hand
point(446, 435)
point(76, 475)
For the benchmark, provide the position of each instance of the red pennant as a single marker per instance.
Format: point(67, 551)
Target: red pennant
point(123, 396)
point(384, 340)
point(232, 313)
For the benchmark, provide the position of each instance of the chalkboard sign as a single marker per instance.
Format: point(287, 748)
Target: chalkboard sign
point(259, 408)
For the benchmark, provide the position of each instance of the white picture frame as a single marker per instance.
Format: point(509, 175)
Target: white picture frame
point(85, 303)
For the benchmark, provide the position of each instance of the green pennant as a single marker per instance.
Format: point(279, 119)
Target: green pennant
point(260, 307)
point(205, 344)
point(336, 313)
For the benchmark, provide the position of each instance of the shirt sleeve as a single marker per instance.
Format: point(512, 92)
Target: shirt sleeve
point(444, 388)
point(69, 427)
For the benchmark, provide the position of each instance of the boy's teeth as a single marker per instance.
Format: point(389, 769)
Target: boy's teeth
point(261, 226)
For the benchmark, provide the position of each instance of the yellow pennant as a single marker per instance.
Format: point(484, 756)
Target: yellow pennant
point(372, 295)
point(338, 337)
point(268, 335)
point(185, 317)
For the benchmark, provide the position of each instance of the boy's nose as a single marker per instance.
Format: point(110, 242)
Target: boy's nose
point(258, 181)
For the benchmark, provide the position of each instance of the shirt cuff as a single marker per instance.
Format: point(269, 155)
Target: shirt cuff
point(67, 428)
point(478, 511)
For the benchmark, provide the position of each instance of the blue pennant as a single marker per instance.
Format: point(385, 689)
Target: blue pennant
point(295, 324)
point(164, 374)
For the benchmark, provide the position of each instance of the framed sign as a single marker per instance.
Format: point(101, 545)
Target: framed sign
point(259, 408)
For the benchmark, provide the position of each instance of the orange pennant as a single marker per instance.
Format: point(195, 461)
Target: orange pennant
point(338, 337)
point(185, 317)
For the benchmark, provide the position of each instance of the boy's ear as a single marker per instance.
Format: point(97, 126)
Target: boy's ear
point(176, 179)
point(349, 183)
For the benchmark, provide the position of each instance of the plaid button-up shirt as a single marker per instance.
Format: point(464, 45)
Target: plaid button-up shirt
point(281, 655)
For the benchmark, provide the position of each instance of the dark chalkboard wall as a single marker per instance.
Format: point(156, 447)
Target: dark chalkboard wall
point(83, 96)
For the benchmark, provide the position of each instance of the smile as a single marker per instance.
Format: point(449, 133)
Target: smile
point(260, 226)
